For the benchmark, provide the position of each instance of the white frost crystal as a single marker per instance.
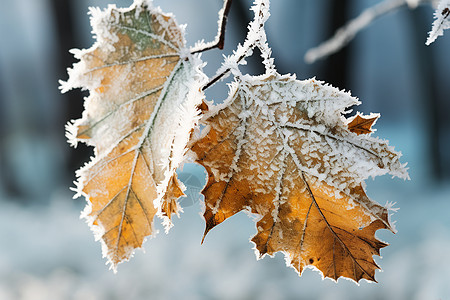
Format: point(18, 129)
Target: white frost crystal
point(441, 22)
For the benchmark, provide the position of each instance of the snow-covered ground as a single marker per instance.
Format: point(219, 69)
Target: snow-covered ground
point(48, 253)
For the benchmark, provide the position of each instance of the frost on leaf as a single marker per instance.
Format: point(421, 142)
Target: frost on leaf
point(144, 91)
point(441, 22)
point(280, 148)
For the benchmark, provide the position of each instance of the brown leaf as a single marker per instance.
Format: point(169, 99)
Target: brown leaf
point(169, 204)
point(278, 148)
point(139, 114)
point(361, 124)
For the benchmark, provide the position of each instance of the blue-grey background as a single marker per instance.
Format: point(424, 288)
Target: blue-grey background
point(46, 252)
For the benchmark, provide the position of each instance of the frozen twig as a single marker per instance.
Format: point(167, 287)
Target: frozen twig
point(219, 40)
point(441, 22)
point(256, 37)
point(346, 33)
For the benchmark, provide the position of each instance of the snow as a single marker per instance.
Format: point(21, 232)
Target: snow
point(50, 254)
point(441, 22)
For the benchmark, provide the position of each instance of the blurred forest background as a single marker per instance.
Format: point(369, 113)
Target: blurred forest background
point(46, 252)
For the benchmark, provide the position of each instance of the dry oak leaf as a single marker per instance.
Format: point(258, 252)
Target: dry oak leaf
point(279, 148)
point(144, 92)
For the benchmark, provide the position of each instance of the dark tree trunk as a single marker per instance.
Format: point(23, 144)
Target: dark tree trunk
point(433, 101)
point(335, 67)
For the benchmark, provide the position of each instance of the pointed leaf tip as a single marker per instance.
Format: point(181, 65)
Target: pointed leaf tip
point(361, 124)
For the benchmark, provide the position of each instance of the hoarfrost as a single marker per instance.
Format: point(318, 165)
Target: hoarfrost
point(441, 22)
point(145, 88)
point(282, 130)
point(256, 37)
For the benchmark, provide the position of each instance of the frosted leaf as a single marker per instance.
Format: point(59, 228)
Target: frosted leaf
point(441, 22)
point(144, 89)
point(280, 148)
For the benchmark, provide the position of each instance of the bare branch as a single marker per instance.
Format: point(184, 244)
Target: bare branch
point(215, 79)
point(256, 37)
point(220, 74)
point(346, 33)
point(219, 40)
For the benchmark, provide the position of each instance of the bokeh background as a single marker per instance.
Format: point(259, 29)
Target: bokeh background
point(46, 252)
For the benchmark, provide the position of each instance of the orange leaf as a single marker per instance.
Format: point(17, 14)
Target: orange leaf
point(361, 124)
point(169, 204)
point(279, 148)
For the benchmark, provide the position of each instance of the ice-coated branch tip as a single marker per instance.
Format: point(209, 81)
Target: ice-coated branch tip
point(346, 34)
point(256, 37)
point(441, 22)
